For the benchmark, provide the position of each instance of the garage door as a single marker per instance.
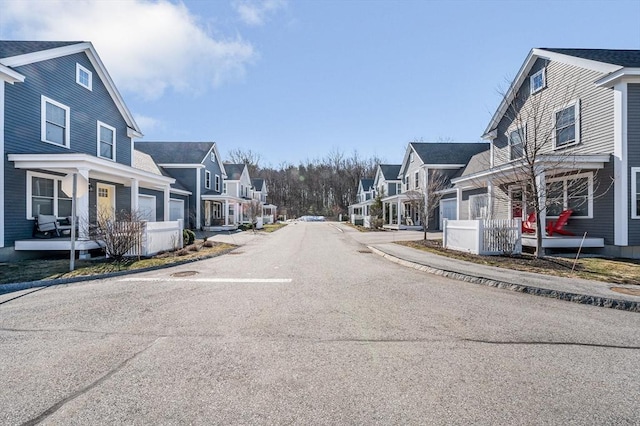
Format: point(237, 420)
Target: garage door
point(176, 209)
point(448, 210)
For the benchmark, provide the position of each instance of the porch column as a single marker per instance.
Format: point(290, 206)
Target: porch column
point(398, 213)
point(490, 197)
point(541, 181)
point(82, 205)
point(135, 191)
point(226, 212)
point(167, 195)
point(621, 185)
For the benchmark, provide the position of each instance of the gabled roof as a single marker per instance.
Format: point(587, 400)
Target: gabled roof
point(177, 152)
point(610, 62)
point(17, 53)
point(234, 171)
point(367, 184)
point(257, 184)
point(447, 152)
point(623, 57)
point(14, 48)
point(479, 162)
point(390, 171)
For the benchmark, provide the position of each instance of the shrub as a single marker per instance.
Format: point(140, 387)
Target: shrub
point(182, 252)
point(209, 243)
point(193, 247)
point(188, 237)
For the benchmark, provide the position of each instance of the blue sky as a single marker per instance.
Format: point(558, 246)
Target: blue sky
point(296, 79)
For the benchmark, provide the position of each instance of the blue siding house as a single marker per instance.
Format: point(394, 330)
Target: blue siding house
point(60, 115)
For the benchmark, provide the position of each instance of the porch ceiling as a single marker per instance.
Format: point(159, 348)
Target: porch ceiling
point(97, 168)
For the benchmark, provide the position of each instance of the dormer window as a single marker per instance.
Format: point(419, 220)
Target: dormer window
point(537, 81)
point(84, 77)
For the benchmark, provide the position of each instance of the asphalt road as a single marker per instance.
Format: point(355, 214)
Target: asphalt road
point(304, 326)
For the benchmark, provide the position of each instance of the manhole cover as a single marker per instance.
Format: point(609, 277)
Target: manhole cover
point(629, 291)
point(184, 274)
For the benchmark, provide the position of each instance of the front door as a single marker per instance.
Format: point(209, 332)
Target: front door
point(106, 204)
point(448, 210)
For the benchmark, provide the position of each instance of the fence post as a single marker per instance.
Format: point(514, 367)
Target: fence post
point(479, 236)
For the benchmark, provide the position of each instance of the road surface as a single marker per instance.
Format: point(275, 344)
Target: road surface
point(306, 326)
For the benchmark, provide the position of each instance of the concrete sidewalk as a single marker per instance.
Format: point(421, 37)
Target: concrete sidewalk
point(572, 289)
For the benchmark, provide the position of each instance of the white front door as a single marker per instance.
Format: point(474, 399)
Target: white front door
point(106, 201)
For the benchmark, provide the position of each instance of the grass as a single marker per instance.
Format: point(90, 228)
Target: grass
point(48, 269)
point(618, 271)
point(273, 227)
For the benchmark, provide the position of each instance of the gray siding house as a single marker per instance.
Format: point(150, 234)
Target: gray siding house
point(578, 111)
point(60, 115)
point(200, 179)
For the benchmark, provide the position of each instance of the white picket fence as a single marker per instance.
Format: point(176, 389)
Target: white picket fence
point(484, 236)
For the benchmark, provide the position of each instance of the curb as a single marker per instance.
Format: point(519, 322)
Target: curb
point(13, 287)
point(604, 302)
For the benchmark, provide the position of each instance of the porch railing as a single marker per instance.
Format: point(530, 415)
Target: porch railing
point(155, 237)
point(485, 237)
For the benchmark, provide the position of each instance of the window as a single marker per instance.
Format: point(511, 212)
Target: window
point(213, 156)
point(516, 198)
point(217, 188)
point(217, 211)
point(45, 196)
point(570, 193)
point(207, 179)
point(224, 188)
point(537, 81)
point(84, 77)
point(479, 206)
point(106, 141)
point(417, 180)
point(516, 143)
point(55, 122)
point(406, 182)
point(635, 192)
point(411, 157)
point(567, 126)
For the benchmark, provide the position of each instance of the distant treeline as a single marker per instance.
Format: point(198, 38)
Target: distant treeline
point(324, 186)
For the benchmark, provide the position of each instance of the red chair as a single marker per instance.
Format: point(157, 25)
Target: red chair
point(529, 225)
point(557, 226)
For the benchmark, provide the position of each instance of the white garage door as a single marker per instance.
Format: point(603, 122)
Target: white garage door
point(176, 209)
point(448, 210)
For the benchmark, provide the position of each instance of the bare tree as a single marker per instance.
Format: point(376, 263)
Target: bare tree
point(425, 200)
point(253, 209)
point(535, 167)
point(250, 158)
point(118, 232)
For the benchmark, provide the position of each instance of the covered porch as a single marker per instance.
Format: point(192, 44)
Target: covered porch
point(398, 213)
point(221, 212)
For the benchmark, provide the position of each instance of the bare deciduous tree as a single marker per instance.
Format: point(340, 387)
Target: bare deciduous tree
point(118, 232)
point(253, 209)
point(425, 200)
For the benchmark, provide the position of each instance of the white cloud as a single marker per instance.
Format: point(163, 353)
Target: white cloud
point(147, 46)
point(255, 12)
point(147, 124)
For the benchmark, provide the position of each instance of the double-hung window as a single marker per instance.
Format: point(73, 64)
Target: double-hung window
point(567, 125)
point(537, 81)
point(635, 192)
point(45, 196)
point(106, 141)
point(207, 179)
point(516, 143)
point(84, 77)
point(55, 122)
point(217, 188)
point(417, 180)
point(479, 206)
point(570, 193)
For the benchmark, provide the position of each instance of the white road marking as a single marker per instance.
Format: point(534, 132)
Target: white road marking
point(213, 280)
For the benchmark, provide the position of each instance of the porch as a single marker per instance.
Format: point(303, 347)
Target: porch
point(529, 240)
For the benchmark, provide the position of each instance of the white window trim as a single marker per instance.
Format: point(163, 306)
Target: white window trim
point(213, 157)
point(81, 68)
point(217, 183)
point(634, 192)
point(576, 105)
point(532, 78)
point(55, 178)
point(224, 187)
point(565, 195)
point(113, 142)
point(43, 121)
point(207, 179)
point(153, 209)
point(523, 130)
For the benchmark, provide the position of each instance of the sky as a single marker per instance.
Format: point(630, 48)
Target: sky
point(293, 80)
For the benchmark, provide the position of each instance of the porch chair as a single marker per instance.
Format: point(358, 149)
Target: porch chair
point(557, 226)
point(529, 225)
point(46, 226)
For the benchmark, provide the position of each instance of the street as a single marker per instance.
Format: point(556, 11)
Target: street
point(307, 326)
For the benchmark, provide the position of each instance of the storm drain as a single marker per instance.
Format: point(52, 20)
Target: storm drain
point(182, 274)
point(629, 291)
